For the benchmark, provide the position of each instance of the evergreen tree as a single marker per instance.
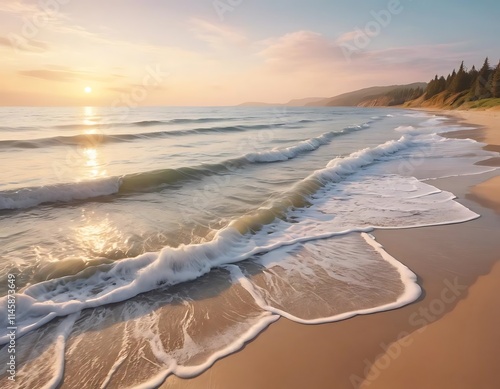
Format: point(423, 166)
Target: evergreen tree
point(473, 73)
point(418, 92)
point(442, 84)
point(432, 88)
point(461, 81)
point(495, 84)
point(450, 80)
point(481, 88)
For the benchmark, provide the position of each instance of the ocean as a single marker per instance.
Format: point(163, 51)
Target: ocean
point(154, 241)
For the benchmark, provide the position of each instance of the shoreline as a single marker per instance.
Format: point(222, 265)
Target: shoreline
point(455, 265)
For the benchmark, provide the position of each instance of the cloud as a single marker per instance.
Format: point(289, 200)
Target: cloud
point(52, 75)
point(19, 43)
point(348, 37)
point(18, 7)
point(300, 49)
point(319, 65)
point(217, 36)
point(64, 74)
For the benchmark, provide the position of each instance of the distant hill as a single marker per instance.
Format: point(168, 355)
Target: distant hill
point(304, 102)
point(374, 96)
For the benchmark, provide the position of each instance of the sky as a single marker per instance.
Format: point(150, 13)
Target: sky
point(225, 52)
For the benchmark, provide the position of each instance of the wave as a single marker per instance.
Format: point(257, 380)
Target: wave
point(152, 123)
point(291, 152)
point(146, 123)
point(140, 182)
point(262, 231)
point(30, 197)
point(94, 139)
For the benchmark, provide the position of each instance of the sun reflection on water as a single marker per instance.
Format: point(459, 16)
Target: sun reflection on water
point(99, 236)
point(88, 116)
point(92, 155)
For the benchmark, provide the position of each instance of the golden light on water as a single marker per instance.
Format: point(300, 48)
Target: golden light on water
point(88, 115)
point(91, 155)
point(99, 236)
point(96, 236)
point(92, 163)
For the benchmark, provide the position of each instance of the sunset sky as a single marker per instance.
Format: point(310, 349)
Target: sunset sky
point(224, 52)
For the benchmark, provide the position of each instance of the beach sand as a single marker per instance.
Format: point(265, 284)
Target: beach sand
point(447, 339)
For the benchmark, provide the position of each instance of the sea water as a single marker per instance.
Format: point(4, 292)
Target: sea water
point(157, 241)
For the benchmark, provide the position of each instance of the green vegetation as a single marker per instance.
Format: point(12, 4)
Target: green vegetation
point(486, 103)
point(465, 88)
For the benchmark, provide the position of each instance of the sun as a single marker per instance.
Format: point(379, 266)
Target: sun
point(88, 89)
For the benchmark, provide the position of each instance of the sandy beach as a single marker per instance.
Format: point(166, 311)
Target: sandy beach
point(446, 339)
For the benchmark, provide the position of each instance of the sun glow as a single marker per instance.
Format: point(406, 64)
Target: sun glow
point(88, 119)
point(88, 89)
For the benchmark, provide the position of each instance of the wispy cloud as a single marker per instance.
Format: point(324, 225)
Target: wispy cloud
point(298, 49)
point(65, 74)
point(23, 44)
point(18, 7)
point(51, 75)
point(216, 35)
point(348, 37)
point(306, 50)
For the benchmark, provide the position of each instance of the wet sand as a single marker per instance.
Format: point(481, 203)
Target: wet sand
point(447, 339)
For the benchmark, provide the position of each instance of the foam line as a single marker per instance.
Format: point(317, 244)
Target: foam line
point(409, 279)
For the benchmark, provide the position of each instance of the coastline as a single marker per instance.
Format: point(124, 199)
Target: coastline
point(449, 326)
point(468, 335)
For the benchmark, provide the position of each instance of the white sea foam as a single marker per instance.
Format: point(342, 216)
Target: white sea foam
point(291, 152)
point(284, 154)
point(411, 290)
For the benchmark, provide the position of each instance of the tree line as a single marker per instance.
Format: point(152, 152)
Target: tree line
point(473, 84)
point(401, 96)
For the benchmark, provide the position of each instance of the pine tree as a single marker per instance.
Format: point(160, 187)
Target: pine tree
point(481, 89)
point(473, 73)
point(432, 88)
point(442, 84)
point(450, 80)
point(495, 84)
point(461, 81)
